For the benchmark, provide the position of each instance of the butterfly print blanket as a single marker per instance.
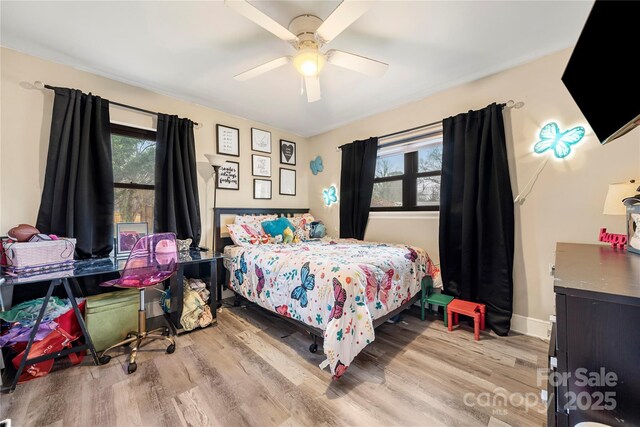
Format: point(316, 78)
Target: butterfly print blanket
point(338, 286)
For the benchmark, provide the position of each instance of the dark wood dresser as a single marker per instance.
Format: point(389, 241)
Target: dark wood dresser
point(595, 356)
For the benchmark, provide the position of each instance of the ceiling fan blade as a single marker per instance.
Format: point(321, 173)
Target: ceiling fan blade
point(344, 15)
point(261, 69)
point(245, 9)
point(312, 86)
point(358, 63)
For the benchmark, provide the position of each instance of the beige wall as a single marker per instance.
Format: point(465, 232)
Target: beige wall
point(565, 204)
point(25, 119)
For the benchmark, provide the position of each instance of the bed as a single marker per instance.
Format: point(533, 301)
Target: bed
point(338, 289)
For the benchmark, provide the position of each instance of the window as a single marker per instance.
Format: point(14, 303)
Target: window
point(134, 157)
point(408, 173)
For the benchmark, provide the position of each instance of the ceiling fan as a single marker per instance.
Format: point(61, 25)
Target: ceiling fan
point(307, 34)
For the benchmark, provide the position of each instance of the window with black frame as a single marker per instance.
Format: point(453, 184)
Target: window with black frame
point(408, 172)
point(134, 155)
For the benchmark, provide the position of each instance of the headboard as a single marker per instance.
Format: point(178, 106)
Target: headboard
point(221, 213)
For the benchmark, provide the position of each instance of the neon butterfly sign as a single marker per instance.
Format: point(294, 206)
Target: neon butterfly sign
point(560, 142)
point(330, 195)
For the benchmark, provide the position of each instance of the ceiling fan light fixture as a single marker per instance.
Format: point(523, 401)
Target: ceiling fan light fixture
point(309, 62)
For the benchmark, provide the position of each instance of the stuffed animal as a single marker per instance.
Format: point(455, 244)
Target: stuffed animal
point(287, 235)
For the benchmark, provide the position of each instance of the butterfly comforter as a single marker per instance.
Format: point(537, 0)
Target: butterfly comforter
point(339, 286)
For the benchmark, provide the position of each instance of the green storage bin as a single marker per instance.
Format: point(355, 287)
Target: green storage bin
point(110, 317)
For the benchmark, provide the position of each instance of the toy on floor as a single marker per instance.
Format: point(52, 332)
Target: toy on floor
point(467, 308)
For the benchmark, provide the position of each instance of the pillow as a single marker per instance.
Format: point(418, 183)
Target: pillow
point(302, 225)
point(318, 230)
point(276, 227)
point(253, 220)
point(246, 235)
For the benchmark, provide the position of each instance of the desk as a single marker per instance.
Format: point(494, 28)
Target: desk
point(190, 262)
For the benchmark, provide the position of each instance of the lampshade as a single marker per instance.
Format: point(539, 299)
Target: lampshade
point(613, 204)
point(309, 62)
point(215, 160)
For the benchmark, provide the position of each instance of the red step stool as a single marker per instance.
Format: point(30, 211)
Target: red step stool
point(467, 308)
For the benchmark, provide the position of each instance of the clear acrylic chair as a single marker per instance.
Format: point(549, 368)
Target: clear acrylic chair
point(153, 259)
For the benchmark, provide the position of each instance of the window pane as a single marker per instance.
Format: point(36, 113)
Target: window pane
point(133, 205)
point(428, 191)
point(390, 166)
point(133, 159)
point(430, 158)
point(387, 194)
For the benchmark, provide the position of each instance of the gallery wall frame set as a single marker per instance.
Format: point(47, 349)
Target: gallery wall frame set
point(260, 140)
point(287, 182)
point(288, 152)
point(261, 165)
point(228, 177)
point(227, 140)
point(262, 188)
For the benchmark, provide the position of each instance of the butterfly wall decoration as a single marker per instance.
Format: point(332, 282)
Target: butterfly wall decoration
point(316, 165)
point(559, 142)
point(330, 195)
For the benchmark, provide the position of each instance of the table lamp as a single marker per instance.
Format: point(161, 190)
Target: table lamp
point(613, 205)
point(215, 161)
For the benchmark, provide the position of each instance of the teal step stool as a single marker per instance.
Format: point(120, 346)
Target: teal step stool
point(429, 297)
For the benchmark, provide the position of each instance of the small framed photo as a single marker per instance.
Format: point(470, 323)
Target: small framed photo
point(260, 140)
point(287, 182)
point(261, 165)
point(127, 234)
point(287, 152)
point(262, 189)
point(227, 140)
point(229, 176)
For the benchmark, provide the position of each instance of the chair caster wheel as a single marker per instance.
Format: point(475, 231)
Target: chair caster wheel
point(171, 348)
point(104, 359)
point(313, 348)
point(131, 367)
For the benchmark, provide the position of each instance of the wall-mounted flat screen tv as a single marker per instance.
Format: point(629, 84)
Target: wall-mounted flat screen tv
point(603, 74)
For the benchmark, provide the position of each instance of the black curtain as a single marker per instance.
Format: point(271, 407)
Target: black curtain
point(77, 198)
point(177, 208)
point(356, 186)
point(476, 214)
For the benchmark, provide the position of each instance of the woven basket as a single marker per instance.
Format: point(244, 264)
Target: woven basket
point(38, 254)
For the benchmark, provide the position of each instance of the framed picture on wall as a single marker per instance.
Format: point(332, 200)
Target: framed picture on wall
point(127, 234)
point(227, 140)
point(261, 165)
point(287, 182)
point(260, 140)
point(287, 152)
point(262, 189)
point(229, 176)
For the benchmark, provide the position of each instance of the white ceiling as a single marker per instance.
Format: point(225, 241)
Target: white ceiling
point(191, 50)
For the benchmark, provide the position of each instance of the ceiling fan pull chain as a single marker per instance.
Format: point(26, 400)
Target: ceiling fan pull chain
point(301, 85)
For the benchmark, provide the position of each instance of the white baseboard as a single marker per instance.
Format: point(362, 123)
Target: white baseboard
point(530, 326)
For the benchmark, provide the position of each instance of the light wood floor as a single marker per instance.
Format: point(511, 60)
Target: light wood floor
point(255, 369)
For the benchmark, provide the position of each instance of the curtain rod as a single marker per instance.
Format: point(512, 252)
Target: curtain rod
point(509, 104)
point(41, 85)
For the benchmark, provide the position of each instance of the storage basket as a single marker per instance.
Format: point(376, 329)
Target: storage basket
point(21, 255)
point(111, 316)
